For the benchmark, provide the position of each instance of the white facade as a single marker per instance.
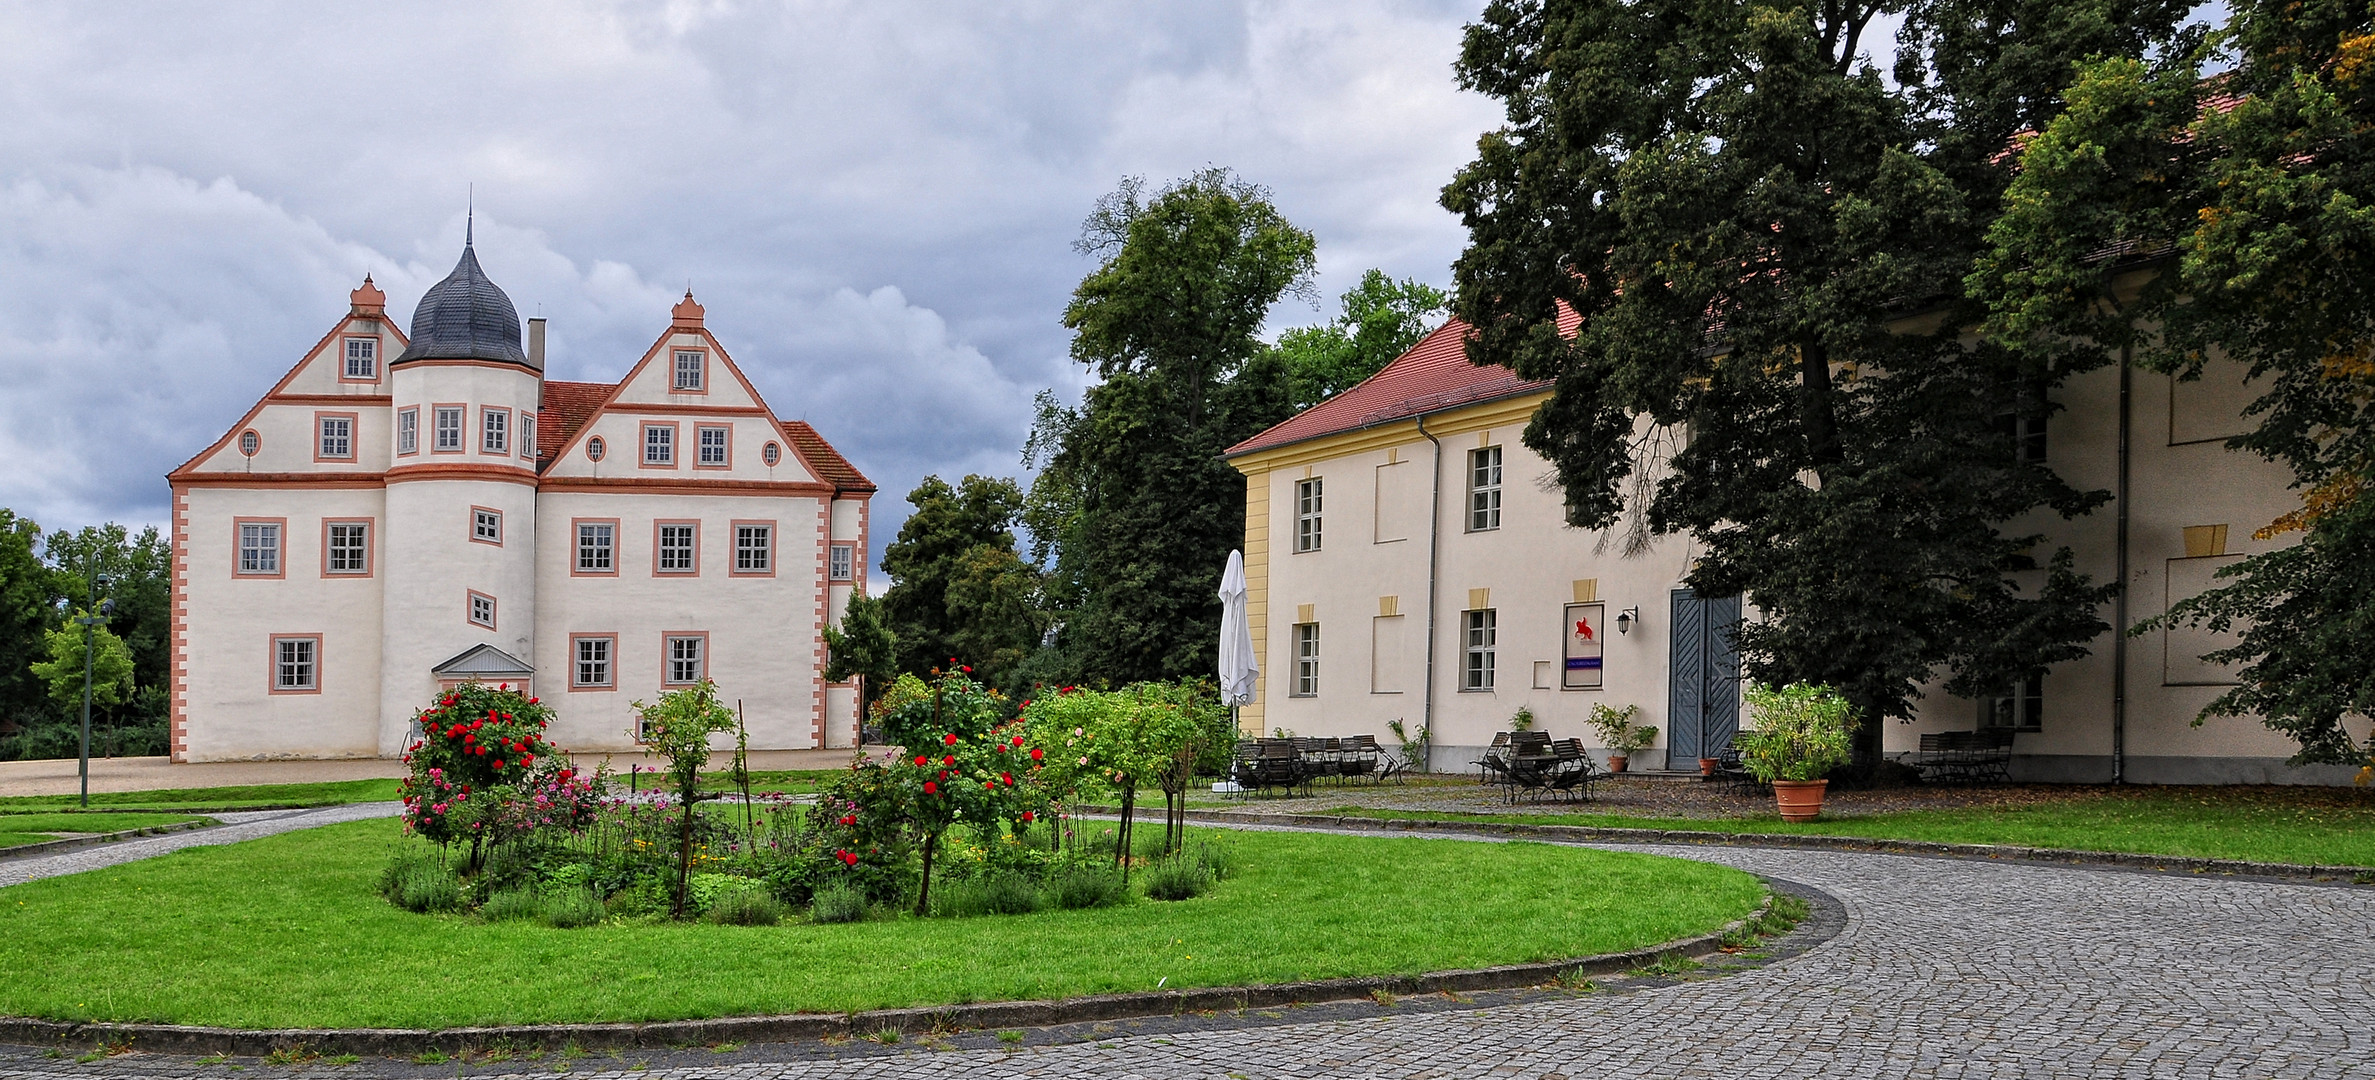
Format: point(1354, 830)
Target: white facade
point(1393, 462)
point(371, 519)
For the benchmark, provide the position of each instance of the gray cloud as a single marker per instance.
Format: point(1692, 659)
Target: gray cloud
point(874, 200)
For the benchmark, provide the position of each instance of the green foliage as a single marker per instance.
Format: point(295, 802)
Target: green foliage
point(110, 667)
point(863, 645)
point(838, 903)
point(678, 727)
point(26, 615)
point(1133, 507)
point(1005, 892)
point(1616, 728)
point(482, 772)
point(2258, 181)
point(1522, 720)
point(1801, 732)
point(1177, 878)
point(1077, 887)
point(1413, 748)
point(743, 902)
point(1678, 176)
point(512, 905)
point(960, 759)
point(565, 908)
point(1381, 319)
point(959, 590)
point(135, 572)
point(420, 882)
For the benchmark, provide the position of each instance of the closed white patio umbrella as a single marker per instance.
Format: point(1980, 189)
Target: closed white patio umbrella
point(1238, 667)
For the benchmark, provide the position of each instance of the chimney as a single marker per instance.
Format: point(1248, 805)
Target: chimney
point(536, 343)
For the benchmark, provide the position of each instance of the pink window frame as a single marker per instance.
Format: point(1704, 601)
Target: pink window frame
point(430, 433)
point(413, 411)
point(280, 562)
point(575, 687)
point(705, 366)
point(617, 547)
point(734, 545)
point(477, 510)
point(354, 435)
point(655, 548)
point(643, 444)
point(728, 429)
point(370, 544)
point(667, 636)
point(494, 611)
point(272, 664)
point(511, 429)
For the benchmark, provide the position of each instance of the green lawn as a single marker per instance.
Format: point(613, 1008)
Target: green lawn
point(217, 798)
point(33, 828)
point(288, 931)
point(2321, 826)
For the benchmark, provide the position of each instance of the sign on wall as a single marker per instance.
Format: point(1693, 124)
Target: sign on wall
point(1586, 626)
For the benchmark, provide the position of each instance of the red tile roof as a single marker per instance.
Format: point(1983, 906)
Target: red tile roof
point(826, 462)
point(1433, 376)
point(567, 406)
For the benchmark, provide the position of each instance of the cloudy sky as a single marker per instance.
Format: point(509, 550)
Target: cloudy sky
point(875, 201)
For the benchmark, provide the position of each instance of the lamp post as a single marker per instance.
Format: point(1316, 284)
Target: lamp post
point(89, 620)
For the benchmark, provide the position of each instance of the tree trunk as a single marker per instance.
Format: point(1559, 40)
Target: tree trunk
point(923, 891)
point(1121, 840)
point(684, 862)
point(1816, 421)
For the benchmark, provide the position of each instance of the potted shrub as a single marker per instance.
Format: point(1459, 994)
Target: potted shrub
point(1801, 733)
point(1619, 734)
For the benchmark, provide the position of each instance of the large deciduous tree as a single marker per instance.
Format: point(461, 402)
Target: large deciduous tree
point(1133, 504)
point(27, 612)
point(1747, 218)
point(1379, 319)
point(959, 590)
point(2250, 197)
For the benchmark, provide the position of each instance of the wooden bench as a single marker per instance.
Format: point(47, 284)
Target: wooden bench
point(1968, 757)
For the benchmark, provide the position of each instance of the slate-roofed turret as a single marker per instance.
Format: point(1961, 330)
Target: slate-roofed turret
point(466, 317)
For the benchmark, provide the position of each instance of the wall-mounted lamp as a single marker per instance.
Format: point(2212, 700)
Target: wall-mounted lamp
point(1626, 618)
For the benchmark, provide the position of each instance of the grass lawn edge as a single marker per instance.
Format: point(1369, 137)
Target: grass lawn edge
point(916, 1020)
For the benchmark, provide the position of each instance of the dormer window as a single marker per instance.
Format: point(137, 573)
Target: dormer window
point(362, 359)
point(689, 370)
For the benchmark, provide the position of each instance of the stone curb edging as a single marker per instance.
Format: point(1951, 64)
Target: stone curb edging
point(398, 1042)
point(52, 847)
point(1600, 834)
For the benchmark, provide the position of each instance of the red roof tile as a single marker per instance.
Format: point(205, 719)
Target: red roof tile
point(1433, 376)
point(826, 462)
point(566, 407)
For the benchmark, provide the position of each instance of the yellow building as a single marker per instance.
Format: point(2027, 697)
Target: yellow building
point(1407, 559)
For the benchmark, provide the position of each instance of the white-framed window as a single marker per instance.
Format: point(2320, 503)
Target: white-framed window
point(495, 436)
point(842, 565)
point(687, 658)
point(362, 359)
point(250, 442)
point(689, 365)
point(659, 444)
point(448, 422)
point(1477, 672)
point(486, 526)
point(1484, 488)
point(408, 430)
point(527, 434)
point(482, 609)
point(592, 669)
point(754, 549)
point(679, 549)
point(1307, 514)
point(347, 548)
point(338, 437)
point(771, 453)
point(597, 547)
point(296, 664)
point(595, 448)
point(259, 548)
point(713, 444)
point(1306, 659)
point(2020, 707)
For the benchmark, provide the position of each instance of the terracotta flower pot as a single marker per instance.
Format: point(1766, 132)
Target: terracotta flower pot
point(1707, 766)
point(1799, 800)
point(1616, 762)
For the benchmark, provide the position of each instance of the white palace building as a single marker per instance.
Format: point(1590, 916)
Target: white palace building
point(404, 513)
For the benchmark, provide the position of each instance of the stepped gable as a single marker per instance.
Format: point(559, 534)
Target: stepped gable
point(566, 407)
point(826, 462)
point(1433, 376)
point(466, 317)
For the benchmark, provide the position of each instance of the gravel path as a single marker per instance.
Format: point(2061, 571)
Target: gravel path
point(236, 826)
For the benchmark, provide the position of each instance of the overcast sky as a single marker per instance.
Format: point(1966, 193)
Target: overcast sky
point(876, 201)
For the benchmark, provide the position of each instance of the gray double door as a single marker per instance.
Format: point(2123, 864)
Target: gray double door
point(1702, 678)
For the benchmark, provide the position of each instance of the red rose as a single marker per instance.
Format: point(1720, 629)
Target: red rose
point(1008, 777)
point(950, 738)
point(1018, 740)
point(849, 819)
point(948, 759)
point(1037, 753)
point(967, 670)
point(931, 788)
point(989, 785)
point(1027, 815)
point(922, 760)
